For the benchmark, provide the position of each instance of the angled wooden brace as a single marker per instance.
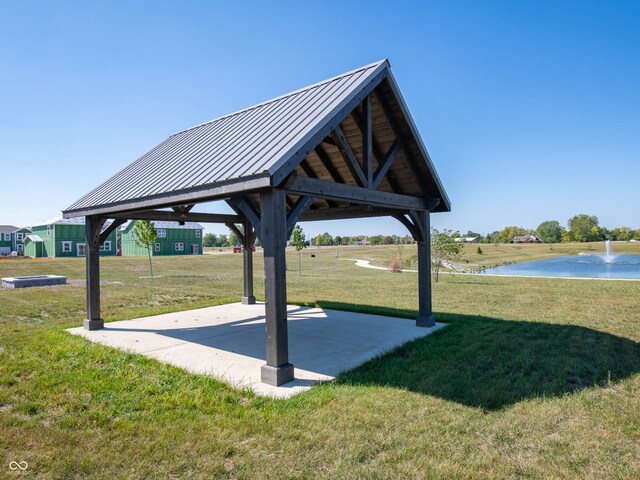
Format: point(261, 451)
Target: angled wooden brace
point(299, 207)
point(109, 230)
point(242, 206)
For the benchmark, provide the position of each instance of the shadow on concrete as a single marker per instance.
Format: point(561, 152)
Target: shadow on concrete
point(491, 363)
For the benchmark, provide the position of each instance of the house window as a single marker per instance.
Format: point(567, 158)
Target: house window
point(179, 247)
point(162, 233)
point(19, 237)
point(157, 247)
point(198, 233)
point(106, 246)
point(49, 230)
point(66, 247)
point(81, 250)
point(7, 237)
point(20, 248)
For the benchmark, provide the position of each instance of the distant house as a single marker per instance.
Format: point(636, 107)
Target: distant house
point(173, 239)
point(526, 239)
point(468, 239)
point(63, 237)
point(11, 239)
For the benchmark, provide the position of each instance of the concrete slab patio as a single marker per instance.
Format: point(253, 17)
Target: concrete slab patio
point(228, 342)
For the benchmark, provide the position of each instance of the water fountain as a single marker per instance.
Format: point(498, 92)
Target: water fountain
point(608, 256)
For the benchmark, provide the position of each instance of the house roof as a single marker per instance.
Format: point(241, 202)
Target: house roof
point(59, 220)
point(8, 228)
point(256, 148)
point(32, 238)
point(169, 225)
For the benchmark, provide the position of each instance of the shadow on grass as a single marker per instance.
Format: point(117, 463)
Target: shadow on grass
point(491, 363)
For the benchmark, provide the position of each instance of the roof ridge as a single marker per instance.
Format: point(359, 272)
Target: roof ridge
point(286, 95)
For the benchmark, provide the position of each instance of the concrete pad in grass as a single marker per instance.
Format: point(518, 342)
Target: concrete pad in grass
point(227, 341)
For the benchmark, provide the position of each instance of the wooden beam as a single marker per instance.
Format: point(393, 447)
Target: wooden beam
point(205, 193)
point(367, 141)
point(247, 262)
point(384, 166)
point(386, 109)
point(243, 205)
point(358, 211)
point(278, 370)
point(300, 206)
point(112, 226)
point(92, 228)
point(234, 228)
point(425, 313)
point(163, 215)
point(413, 229)
point(349, 157)
point(306, 168)
point(377, 151)
point(337, 191)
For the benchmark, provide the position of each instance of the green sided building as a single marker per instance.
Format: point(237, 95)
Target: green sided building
point(63, 237)
point(173, 239)
point(11, 239)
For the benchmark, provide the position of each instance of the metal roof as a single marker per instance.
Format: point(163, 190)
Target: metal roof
point(168, 225)
point(8, 228)
point(58, 220)
point(252, 149)
point(243, 144)
point(32, 238)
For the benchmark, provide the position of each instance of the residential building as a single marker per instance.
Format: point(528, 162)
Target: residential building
point(11, 239)
point(63, 237)
point(526, 239)
point(173, 239)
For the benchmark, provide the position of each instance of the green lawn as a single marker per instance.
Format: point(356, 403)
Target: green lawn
point(533, 378)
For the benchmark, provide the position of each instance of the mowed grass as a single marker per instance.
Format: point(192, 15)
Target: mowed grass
point(533, 378)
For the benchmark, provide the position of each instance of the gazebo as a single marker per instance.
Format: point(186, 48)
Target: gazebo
point(342, 148)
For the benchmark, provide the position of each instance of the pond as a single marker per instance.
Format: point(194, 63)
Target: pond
point(588, 266)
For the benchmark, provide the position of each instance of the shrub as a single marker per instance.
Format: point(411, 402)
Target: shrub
point(479, 251)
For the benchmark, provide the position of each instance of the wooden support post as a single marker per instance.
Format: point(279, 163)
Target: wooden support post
point(425, 313)
point(367, 141)
point(247, 253)
point(93, 225)
point(273, 222)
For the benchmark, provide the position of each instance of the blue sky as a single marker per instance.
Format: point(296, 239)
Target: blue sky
point(530, 110)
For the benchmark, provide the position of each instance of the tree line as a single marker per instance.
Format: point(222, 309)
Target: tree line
point(580, 228)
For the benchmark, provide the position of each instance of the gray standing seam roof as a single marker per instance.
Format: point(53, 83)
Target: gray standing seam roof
point(251, 142)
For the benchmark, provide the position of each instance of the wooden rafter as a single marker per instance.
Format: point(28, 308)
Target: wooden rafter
point(349, 157)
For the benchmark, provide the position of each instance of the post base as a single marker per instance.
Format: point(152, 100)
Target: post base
point(428, 321)
point(94, 324)
point(248, 300)
point(276, 376)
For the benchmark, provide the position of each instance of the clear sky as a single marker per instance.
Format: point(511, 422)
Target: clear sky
point(530, 110)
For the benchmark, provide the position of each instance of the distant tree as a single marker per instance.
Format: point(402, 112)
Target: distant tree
point(490, 237)
point(234, 241)
point(506, 234)
point(323, 239)
point(145, 236)
point(584, 228)
point(345, 240)
point(375, 240)
point(444, 249)
point(550, 231)
point(209, 240)
point(387, 240)
point(337, 240)
point(623, 233)
point(222, 240)
point(299, 242)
